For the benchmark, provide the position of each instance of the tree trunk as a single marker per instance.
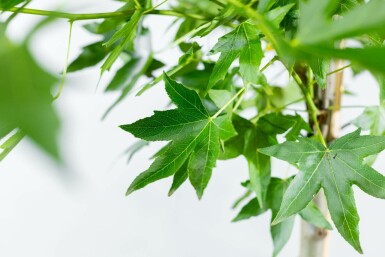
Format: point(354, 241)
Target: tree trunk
point(314, 240)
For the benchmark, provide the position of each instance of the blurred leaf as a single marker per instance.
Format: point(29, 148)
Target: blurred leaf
point(123, 38)
point(25, 99)
point(372, 119)
point(363, 19)
point(135, 148)
point(280, 233)
point(10, 143)
point(314, 216)
point(186, 63)
point(124, 75)
point(90, 56)
point(6, 4)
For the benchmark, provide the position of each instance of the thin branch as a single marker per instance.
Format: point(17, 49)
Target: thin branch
point(312, 109)
point(275, 58)
point(338, 70)
point(228, 103)
point(94, 16)
point(64, 75)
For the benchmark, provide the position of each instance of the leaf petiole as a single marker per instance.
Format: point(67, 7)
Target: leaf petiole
point(228, 103)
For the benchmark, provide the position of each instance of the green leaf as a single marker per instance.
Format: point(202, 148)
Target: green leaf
point(280, 233)
point(364, 19)
point(10, 143)
point(334, 169)
point(90, 56)
point(251, 137)
point(194, 134)
point(125, 75)
point(135, 148)
point(372, 119)
point(314, 216)
point(243, 41)
point(265, 5)
point(277, 15)
point(368, 57)
point(25, 99)
point(126, 88)
point(180, 177)
point(320, 68)
point(6, 4)
point(186, 63)
point(123, 38)
point(251, 209)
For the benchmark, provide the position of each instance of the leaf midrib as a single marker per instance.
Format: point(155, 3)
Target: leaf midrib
point(144, 181)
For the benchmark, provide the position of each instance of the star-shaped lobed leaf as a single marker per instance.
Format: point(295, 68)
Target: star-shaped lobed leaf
point(335, 169)
point(195, 138)
point(242, 42)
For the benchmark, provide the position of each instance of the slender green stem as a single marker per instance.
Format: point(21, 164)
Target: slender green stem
point(238, 103)
point(310, 80)
point(338, 70)
point(269, 63)
point(93, 16)
point(312, 109)
point(64, 75)
point(277, 109)
point(228, 103)
point(288, 104)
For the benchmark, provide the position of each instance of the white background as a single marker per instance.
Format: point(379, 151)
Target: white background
point(80, 209)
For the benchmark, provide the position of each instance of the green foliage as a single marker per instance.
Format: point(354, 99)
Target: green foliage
point(6, 4)
point(194, 134)
point(281, 232)
point(215, 100)
point(25, 99)
point(334, 169)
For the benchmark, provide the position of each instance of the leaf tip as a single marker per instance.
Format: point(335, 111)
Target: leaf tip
point(171, 192)
point(277, 220)
point(129, 191)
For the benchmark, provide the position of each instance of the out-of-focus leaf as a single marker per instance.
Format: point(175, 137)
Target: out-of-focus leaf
point(363, 19)
point(25, 99)
point(372, 119)
point(6, 4)
point(123, 38)
point(10, 143)
point(135, 148)
point(124, 75)
point(90, 56)
point(313, 215)
point(186, 63)
point(280, 233)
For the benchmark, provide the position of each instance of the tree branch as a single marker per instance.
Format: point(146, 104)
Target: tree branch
point(94, 16)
